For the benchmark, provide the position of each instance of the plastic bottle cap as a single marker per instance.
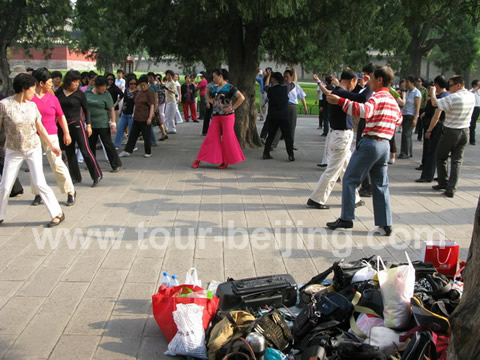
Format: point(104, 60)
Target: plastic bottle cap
point(165, 273)
point(174, 276)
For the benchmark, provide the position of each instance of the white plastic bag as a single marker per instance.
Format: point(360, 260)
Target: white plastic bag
point(397, 286)
point(367, 273)
point(387, 340)
point(190, 337)
point(364, 323)
point(191, 278)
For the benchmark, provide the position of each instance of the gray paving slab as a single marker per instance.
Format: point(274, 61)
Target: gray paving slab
point(83, 290)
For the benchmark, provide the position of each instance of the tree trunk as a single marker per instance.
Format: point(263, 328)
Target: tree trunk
point(7, 83)
point(7, 34)
point(243, 67)
point(415, 56)
point(465, 322)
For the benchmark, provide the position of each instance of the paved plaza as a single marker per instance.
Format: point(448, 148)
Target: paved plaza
point(83, 290)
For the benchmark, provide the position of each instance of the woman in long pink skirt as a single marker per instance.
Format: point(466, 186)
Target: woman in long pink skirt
point(221, 145)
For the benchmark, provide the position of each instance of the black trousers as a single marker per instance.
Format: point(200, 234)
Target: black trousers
point(285, 127)
point(407, 129)
point(79, 138)
point(473, 123)
point(430, 150)
point(326, 125)
point(202, 107)
point(146, 131)
point(320, 117)
point(206, 120)
point(17, 187)
point(420, 126)
point(452, 142)
point(106, 136)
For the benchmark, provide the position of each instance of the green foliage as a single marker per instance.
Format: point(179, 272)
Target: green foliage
point(105, 31)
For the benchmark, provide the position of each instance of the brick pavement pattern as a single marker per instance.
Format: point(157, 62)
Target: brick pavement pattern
point(92, 299)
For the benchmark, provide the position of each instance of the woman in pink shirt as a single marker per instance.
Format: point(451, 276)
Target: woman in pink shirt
point(51, 111)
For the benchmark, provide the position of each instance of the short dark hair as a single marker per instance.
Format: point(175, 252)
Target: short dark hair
point(151, 74)
point(411, 78)
point(329, 79)
point(129, 78)
point(386, 73)
point(100, 81)
point(278, 76)
point(107, 74)
point(92, 75)
point(441, 81)
point(70, 76)
point(288, 72)
point(169, 72)
point(369, 68)
point(30, 69)
point(23, 82)
point(42, 74)
point(348, 74)
point(143, 79)
point(223, 72)
point(132, 75)
point(56, 74)
point(120, 71)
point(420, 79)
point(475, 82)
point(457, 79)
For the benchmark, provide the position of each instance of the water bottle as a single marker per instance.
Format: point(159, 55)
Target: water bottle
point(165, 279)
point(257, 342)
point(174, 281)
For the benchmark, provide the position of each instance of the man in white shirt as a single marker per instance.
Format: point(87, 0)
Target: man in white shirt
point(120, 81)
point(476, 110)
point(411, 102)
point(458, 108)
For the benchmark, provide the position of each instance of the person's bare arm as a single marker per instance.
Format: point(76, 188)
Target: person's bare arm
point(240, 99)
point(433, 123)
point(150, 114)
point(111, 115)
point(418, 101)
point(62, 121)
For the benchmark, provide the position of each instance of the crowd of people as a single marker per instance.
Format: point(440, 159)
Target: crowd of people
point(359, 115)
point(68, 118)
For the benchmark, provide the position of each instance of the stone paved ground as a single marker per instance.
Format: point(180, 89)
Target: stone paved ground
point(69, 302)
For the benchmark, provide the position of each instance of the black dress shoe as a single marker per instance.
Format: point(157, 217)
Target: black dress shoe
point(360, 203)
point(439, 187)
point(291, 158)
point(295, 149)
point(364, 193)
point(95, 182)
point(419, 168)
point(267, 157)
point(316, 205)
point(449, 193)
point(423, 181)
point(322, 165)
point(12, 194)
point(37, 201)
point(339, 223)
point(387, 230)
point(403, 156)
point(71, 199)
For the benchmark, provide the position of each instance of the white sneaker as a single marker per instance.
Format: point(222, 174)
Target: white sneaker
point(124, 154)
point(391, 161)
point(147, 155)
point(135, 149)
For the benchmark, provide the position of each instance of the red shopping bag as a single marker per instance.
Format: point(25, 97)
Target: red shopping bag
point(442, 254)
point(164, 303)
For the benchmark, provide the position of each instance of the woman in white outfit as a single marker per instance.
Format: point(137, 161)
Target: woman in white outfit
point(22, 122)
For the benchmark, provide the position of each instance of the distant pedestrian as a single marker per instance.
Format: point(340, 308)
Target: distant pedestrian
point(411, 103)
point(189, 97)
point(202, 89)
point(476, 111)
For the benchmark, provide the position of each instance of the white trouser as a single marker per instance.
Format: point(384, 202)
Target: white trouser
point(13, 162)
point(59, 168)
point(178, 116)
point(339, 155)
point(170, 116)
point(326, 149)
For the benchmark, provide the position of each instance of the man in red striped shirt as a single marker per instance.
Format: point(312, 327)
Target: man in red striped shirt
point(382, 115)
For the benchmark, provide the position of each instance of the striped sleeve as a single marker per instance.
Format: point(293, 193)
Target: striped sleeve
point(445, 103)
point(365, 110)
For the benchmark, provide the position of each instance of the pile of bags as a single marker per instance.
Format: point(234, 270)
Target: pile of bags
point(364, 309)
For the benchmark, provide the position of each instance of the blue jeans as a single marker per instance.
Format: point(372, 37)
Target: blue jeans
point(371, 158)
point(153, 141)
point(125, 120)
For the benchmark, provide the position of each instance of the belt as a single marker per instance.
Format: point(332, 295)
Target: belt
point(375, 137)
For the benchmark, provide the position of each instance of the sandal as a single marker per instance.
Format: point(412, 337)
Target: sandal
point(54, 223)
point(222, 166)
